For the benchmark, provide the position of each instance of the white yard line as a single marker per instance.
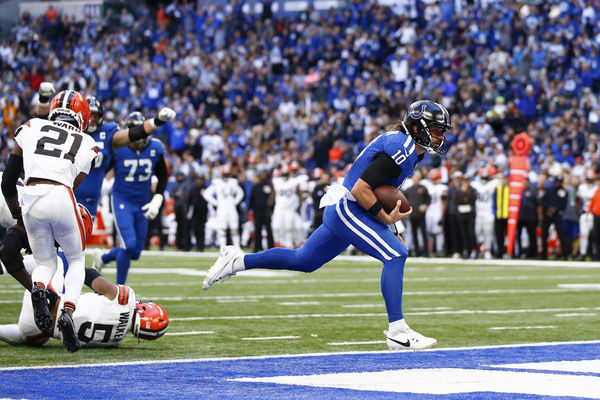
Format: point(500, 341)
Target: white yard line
point(344, 295)
point(271, 338)
point(286, 356)
point(411, 260)
point(374, 305)
point(377, 305)
point(502, 328)
point(591, 286)
point(189, 333)
point(355, 343)
point(363, 315)
point(299, 303)
point(237, 301)
point(533, 276)
point(371, 294)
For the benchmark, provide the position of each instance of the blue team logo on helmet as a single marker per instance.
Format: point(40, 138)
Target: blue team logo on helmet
point(417, 110)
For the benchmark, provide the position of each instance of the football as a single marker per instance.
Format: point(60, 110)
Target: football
point(388, 196)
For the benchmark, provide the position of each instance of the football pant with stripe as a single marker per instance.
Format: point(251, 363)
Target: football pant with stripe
point(345, 223)
point(50, 214)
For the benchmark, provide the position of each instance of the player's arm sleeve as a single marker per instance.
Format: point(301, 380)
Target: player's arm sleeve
point(161, 173)
point(90, 275)
point(209, 195)
point(13, 170)
point(381, 168)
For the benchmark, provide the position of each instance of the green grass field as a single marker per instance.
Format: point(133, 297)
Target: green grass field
point(335, 309)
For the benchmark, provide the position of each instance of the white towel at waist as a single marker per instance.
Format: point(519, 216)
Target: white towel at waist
point(334, 193)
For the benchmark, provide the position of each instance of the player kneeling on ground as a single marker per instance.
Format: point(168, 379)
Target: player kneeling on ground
point(101, 319)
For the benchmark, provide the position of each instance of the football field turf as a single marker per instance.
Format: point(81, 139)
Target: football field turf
point(339, 309)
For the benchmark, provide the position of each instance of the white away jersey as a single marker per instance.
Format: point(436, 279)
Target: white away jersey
point(585, 192)
point(286, 195)
point(485, 195)
point(55, 150)
point(224, 194)
point(100, 322)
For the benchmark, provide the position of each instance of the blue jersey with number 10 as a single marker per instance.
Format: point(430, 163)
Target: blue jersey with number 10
point(90, 187)
point(396, 144)
point(134, 170)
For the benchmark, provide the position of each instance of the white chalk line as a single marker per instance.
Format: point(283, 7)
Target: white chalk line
point(364, 315)
point(271, 338)
point(355, 343)
point(287, 356)
point(189, 333)
point(502, 328)
point(367, 294)
point(372, 294)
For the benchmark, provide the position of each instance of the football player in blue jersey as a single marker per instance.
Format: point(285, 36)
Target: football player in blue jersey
point(134, 166)
point(108, 137)
point(353, 215)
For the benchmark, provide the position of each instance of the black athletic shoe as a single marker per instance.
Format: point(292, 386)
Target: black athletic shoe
point(41, 313)
point(67, 328)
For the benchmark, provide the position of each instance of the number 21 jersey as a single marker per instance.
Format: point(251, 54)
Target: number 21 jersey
point(55, 150)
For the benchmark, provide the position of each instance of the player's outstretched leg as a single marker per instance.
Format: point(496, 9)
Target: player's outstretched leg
point(67, 328)
point(230, 262)
point(41, 313)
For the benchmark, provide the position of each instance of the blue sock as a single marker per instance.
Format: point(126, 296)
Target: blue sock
point(391, 287)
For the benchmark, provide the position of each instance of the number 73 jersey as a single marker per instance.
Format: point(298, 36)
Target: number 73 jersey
point(134, 170)
point(55, 150)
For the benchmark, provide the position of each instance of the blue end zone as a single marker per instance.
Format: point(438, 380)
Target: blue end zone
point(211, 379)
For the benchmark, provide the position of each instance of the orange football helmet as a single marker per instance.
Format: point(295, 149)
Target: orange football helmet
point(71, 104)
point(150, 321)
point(435, 175)
point(317, 172)
point(88, 223)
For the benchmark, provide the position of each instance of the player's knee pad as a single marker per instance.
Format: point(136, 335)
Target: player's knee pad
point(10, 251)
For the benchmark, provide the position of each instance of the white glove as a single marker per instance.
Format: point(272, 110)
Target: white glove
point(164, 115)
point(46, 91)
point(152, 208)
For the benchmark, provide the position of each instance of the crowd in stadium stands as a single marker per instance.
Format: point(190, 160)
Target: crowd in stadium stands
point(256, 91)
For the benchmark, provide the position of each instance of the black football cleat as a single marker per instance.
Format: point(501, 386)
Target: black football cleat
point(41, 313)
point(67, 328)
point(52, 299)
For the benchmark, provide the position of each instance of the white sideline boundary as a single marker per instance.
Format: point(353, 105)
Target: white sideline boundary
point(283, 356)
point(411, 260)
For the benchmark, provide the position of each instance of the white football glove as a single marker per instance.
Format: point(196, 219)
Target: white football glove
point(165, 114)
point(152, 208)
point(46, 91)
